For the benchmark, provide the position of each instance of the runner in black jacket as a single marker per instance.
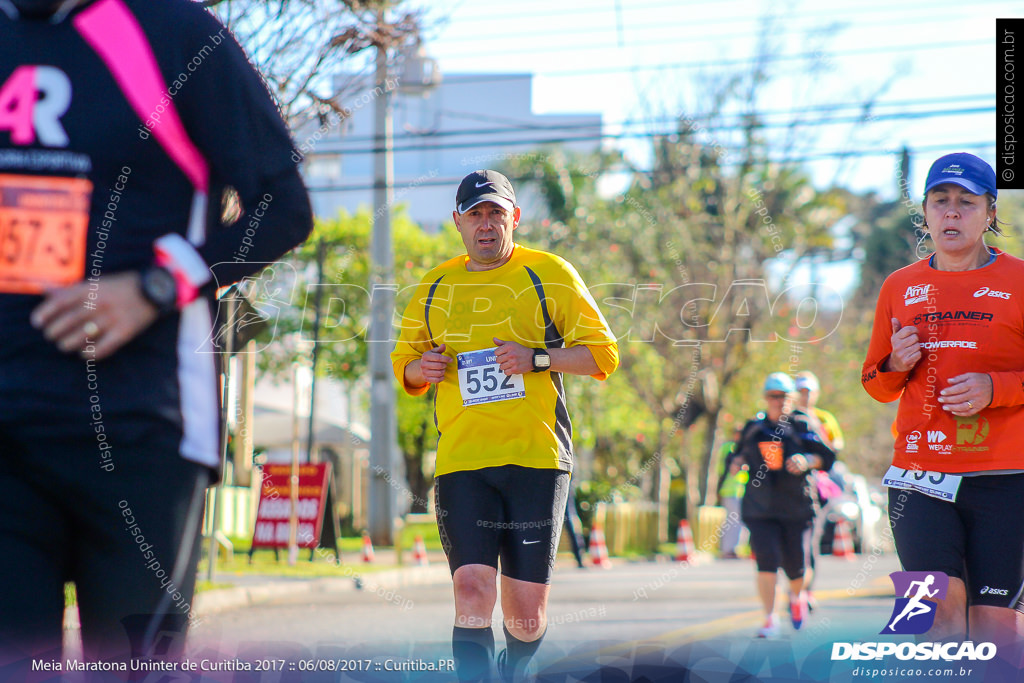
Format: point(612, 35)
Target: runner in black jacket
point(122, 122)
point(778, 504)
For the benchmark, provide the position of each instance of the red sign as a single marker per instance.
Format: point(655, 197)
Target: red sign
point(274, 512)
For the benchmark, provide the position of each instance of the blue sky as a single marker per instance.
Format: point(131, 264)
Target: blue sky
point(931, 67)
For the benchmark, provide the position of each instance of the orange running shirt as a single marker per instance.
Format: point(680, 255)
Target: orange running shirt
point(969, 321)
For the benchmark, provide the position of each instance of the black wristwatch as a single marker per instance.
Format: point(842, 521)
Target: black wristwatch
point(541, 360)
point(159, 288)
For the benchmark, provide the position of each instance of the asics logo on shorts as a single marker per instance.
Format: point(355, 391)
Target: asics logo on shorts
point(993, 591)
point(32, 101)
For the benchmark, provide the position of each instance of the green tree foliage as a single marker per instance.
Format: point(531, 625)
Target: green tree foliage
point(677, 261)
point(345, 302)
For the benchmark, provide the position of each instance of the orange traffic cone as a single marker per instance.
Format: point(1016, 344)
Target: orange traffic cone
point(842, 544)
point(419, 553)
point(367, 548)
point(684, 543)
point(598, 549)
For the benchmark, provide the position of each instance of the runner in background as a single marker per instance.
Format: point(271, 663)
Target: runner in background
point(122, 124)
point(825, 423)
point(574, 526)
point(828, 484)
point(731, 484)
point(780, 450)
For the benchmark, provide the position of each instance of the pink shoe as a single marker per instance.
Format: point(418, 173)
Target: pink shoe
point(798, 609)
point(770, 628)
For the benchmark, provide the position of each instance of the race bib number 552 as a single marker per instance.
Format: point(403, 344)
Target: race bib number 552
point(482, 381)
point(43, 224)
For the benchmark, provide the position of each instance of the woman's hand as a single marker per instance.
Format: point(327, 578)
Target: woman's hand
point(906, 348)
point(967, 394)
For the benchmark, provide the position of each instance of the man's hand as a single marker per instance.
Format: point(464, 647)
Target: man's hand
point(110, 318)
point(906, 348)
point(428, 368)
point(433, 364)
point(967, 394)
point(513, 357)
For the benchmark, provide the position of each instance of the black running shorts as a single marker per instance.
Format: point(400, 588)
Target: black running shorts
point(978, 539)
point(512, 512)
point(784, 544)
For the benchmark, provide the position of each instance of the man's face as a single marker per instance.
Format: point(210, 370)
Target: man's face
point(806, 398)
point(486, 230)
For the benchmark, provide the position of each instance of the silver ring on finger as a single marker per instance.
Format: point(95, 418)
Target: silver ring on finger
point(90, 328)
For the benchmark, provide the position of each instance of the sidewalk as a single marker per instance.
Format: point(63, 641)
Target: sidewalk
point(254, 589)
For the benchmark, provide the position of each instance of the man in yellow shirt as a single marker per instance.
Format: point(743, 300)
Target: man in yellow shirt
point(495, 329)
point(824, 422)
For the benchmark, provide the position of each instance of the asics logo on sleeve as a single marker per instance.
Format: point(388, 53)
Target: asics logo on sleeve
point(32, 101)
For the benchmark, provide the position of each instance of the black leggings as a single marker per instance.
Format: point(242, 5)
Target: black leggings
point(127, 536)
point(781, 543)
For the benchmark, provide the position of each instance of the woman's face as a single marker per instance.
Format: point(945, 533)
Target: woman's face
point(956, 219)
point(778, 403)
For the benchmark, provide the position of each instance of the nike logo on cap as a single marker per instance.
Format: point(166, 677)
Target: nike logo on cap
point(486, 183)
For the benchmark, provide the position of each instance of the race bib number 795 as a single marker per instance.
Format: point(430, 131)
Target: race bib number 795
point(482, 381)
point(934, 484)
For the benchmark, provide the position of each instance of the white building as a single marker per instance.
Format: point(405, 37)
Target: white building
point(467, 122)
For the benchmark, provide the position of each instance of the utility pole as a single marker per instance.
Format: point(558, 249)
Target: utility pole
point(383, 427)
point(321, 252)
point(385, 37)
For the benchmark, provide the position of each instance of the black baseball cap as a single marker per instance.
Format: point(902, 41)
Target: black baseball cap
point(484, 186)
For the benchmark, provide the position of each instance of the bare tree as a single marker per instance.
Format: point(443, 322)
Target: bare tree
point(302, 46)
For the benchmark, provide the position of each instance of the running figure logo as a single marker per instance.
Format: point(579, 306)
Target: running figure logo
point(914, 613)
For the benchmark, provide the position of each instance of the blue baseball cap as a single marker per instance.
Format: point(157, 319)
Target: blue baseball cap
point(966, 170)
point(779, 381)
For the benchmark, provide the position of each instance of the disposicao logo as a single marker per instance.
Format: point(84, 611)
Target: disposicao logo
point(914, 613)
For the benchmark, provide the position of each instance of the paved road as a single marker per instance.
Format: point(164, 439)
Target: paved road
point(642, 621)
point(604, 615)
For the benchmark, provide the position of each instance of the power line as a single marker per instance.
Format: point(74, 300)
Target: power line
point(675, 40)
point(515, 125)
point(820, 156)
point(627, 135)
point(575, 12)
point(730, 19)
point(746, 61)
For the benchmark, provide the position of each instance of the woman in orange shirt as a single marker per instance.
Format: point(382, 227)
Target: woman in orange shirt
point(948, 342)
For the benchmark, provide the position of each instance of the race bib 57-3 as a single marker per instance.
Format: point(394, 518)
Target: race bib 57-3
point(43, 224)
